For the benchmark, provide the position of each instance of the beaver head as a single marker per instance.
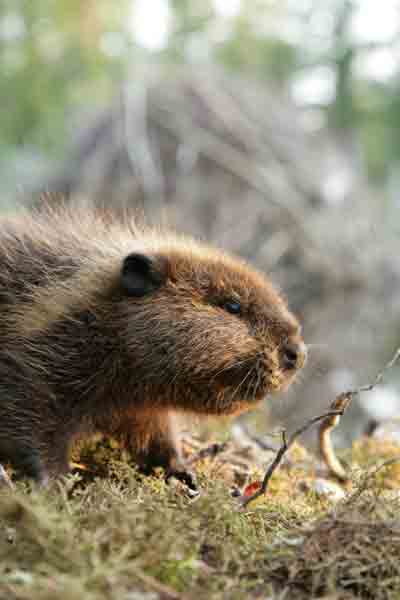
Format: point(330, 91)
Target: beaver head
point(206, 332)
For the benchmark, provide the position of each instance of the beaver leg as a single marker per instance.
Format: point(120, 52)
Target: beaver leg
point(32, 441)
point(162, 452)
point(25, 459)
point(39, 464)
point(30, 464)
point(153, 441)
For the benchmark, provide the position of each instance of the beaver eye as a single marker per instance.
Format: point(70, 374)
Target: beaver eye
point(232, 306)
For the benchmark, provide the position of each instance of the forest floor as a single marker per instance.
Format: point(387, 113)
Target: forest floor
point(109, 533)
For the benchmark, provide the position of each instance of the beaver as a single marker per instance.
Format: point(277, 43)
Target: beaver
point(113, 327)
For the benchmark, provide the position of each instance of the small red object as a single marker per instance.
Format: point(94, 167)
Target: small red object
point(252, 488)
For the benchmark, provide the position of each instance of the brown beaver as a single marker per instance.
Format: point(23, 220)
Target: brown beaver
point(109, 327)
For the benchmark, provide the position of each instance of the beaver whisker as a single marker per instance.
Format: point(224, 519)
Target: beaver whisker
point(250, 384)
point(240, 385)
point(234, 366)
point(258, 382)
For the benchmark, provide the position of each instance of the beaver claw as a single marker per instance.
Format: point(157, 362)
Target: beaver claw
point(186, 477)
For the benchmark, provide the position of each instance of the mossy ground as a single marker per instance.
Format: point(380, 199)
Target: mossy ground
point(110, 533)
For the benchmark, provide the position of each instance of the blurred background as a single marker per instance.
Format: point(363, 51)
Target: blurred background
point(269, 127)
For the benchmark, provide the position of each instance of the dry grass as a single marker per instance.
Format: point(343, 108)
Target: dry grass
point(355, 552)
point(109, 533)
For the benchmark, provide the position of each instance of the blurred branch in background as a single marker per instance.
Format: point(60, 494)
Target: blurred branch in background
point(337, 60)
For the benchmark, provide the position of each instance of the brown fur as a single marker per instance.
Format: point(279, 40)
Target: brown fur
point(77, 354)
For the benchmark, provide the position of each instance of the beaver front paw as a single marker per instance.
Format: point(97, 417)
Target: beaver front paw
point(183, 475)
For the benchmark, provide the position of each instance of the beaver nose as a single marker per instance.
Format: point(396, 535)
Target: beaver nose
point(294, 355)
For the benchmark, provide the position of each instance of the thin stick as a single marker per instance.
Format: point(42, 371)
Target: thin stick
point(381, 374)
point(343, 400)
point(286, 444)
point(330, 419)
point(325, 441)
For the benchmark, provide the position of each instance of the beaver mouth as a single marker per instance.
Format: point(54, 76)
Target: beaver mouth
point(232, 390)
point(252, 384)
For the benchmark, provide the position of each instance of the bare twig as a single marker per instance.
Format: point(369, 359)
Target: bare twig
point(342, 401)
point(381, 374)
point(233, 160)
point(142, 155)
point(330, 420)
point(286, 444)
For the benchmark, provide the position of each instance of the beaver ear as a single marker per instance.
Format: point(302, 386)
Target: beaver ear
point(142, 274)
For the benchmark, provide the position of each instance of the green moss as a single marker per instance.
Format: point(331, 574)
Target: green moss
point(110, 533)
